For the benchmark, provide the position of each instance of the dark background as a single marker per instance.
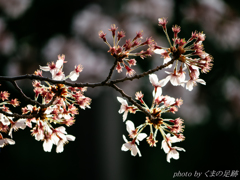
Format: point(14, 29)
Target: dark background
point(34, 32)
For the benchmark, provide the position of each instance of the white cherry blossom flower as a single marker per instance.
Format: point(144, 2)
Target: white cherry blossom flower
point(130, 145)
point(59, 132)
point(38, 130)
point(48, 143)
point(193, 82)
point(168, 142)
point(5, 141)
point(175, 78)
point(50, 67)
point(165, 55)
point(194, 72)
point(16, 125)
point(169, 101)
point(61, 142)
point(133, 132)
point(157, 84)
point(4, 119)
point(75, 74)
point(124, 108)
point(60, 61)
point(58, 75)
point(173, 153)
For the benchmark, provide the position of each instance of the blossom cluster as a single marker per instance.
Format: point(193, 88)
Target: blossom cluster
point(55, 102)
point(122, 53)
point(160, 104)
point(188, 55)
point(58, 106)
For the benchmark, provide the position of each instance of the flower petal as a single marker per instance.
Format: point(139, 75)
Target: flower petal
point(201, 81)
point(130, 126)
point(73, 76)
point(134, 150)
point(141, 136)
point(159, 51)
point(123, 148)
point(122, 101)
point(45, 68)
point(124, 138)
point(47, 145)
point(153, 79)
point(125, 115)
point(70, 137)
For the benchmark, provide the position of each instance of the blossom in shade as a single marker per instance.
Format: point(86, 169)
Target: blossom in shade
point(4, 95)
point(5, 141)
point(4, 120)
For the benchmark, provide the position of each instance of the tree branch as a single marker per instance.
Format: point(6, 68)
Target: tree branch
point(23, 95)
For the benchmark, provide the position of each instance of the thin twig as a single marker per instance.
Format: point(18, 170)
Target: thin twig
point(16, 115)
point(110, 72)
point(23, 95)
point(143, 74)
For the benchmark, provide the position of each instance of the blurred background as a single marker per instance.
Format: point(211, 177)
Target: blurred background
point(34, 32)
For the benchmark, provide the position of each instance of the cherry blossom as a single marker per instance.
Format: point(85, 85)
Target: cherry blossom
point(5, 141)
point(61, 143)
point(173, 153)
point(165, 55)
point(4, 119)
point(175, 78)
point(124, 108)
point(48, 142)
point(160, 104)
point(56, 100)
point(38, 130)
point(130, 145)
point(167, 142)
point(193, 82)
point(123, 52)
point(157, 84)
point(16, 125)
point(74, 74)
point(134, 132)
point(189, 54)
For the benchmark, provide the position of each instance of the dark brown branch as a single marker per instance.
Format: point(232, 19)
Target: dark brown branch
point(111, 72)
point(103, 83)
point(23, 95)
point(143, 74)
point(16, 115)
